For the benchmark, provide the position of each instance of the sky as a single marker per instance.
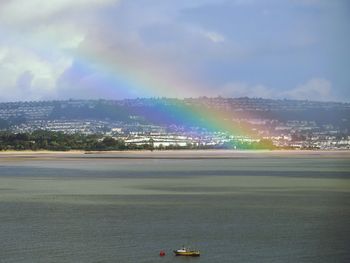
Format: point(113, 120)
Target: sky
point(115, 49)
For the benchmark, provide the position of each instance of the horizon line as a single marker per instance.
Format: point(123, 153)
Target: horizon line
point(173, 98)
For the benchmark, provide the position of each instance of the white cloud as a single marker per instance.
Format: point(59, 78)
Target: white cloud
point(241, 89)
point(313, 89)
point(23, 70)
point(3, 52)
point(317, 89)
point(193, 45)
point(38, 43)
point(214, 36)
point(57, 35)
point(14, 11)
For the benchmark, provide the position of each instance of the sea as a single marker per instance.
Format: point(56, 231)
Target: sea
point(127, 207)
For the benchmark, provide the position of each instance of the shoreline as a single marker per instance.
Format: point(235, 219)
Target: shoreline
point(174, 154)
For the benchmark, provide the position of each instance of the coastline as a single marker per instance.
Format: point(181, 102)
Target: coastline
point(175, 154)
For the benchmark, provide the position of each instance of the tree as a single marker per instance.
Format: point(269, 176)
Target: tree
point(109, 142)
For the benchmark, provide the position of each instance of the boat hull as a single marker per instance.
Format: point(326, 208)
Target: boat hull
point(187, 253)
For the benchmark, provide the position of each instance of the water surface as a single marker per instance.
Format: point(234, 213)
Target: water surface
point(241, 208)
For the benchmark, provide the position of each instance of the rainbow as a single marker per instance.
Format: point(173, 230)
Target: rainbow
point(146, 78)
point(139, 78)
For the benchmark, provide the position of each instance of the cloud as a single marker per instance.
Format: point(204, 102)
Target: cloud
point(24, 70)
point(214, 36)
point(241, 89)
point(60, 36)
point(38, 43)
point(175, 48)
point(24, 82)
point(314, 89)
point(18, 11)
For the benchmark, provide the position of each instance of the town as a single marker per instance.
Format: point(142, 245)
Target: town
point(164, 123)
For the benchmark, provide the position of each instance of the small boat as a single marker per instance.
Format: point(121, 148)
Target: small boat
point(187, 252)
